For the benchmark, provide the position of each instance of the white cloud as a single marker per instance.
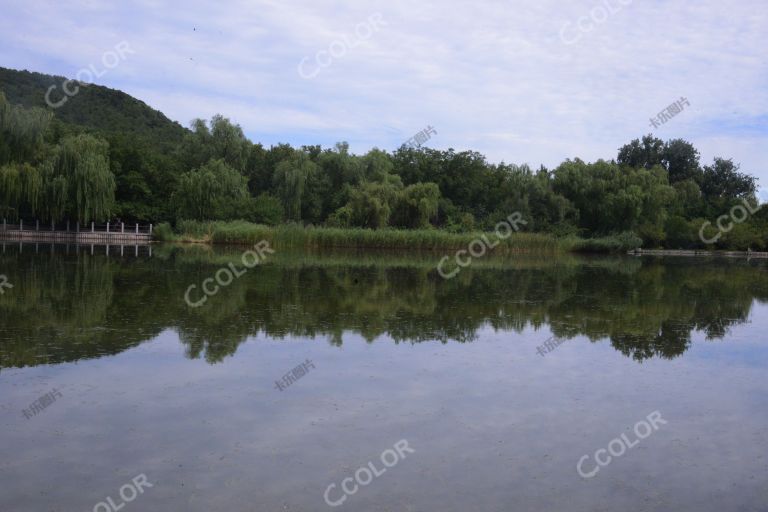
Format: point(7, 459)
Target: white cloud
point(493, 76)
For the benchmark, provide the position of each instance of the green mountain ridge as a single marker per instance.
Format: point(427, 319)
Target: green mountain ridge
point(94, 108)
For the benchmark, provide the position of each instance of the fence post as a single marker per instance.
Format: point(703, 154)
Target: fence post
point(53, 226)
point(21, 225)
point(107, 226)
point(37, 225)
point(150, 230)
point(67, 225)
point(122, 227)
point(137, 228)
point(78, 226)
point(92, 230)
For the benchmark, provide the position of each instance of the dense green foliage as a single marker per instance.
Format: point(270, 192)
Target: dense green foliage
point(70, 179)
point(656, 190)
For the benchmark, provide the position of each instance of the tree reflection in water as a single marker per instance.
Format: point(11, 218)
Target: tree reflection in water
point(78, 306)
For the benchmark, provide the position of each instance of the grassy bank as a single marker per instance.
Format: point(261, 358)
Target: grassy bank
point(294, 236)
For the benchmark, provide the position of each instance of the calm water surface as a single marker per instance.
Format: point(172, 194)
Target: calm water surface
point(143, 384)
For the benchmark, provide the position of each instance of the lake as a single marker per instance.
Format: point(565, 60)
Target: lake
point(340, 381)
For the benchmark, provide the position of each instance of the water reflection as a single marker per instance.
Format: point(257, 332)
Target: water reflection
point(78, 305)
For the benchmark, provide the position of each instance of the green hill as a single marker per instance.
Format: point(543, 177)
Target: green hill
point(95, 108)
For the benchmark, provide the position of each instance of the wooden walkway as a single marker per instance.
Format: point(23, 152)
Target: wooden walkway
point(100, 234)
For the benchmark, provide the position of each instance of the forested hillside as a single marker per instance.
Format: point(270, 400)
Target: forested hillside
point(94, 107)
point(104, 155)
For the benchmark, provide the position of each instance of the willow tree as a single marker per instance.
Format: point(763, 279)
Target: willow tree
point(21, 131)
point(371, 204)
point(71, 180)
point(21, 187)
point(417, 204)
point(78, 182)
point(290, 180)
point(378, 167)
point(219, 139)
point(21, 141)
point(209, 192)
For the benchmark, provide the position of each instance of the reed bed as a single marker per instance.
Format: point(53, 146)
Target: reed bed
point(292, 236)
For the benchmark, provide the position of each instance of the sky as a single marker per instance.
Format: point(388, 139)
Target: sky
point(522, 82)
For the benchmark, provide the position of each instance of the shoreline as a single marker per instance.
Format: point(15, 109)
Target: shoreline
point(408, 240)
point(698, 253)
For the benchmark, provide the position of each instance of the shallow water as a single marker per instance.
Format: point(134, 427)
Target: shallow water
point(496, 421)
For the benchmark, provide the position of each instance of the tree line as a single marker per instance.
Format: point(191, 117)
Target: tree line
point(659, 190)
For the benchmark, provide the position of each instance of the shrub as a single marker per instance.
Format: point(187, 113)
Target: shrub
point(266, 209)
point(164, 233)
point(622, 242)
point(681, 234)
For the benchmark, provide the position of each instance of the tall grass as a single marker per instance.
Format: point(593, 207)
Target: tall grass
point(622, 242)
point(164, 233)
point(292, 236)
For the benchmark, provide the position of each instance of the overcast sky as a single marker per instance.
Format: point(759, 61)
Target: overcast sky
point(525, 82)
